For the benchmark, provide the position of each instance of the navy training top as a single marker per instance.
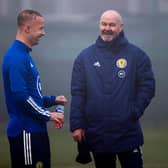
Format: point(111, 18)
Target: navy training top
point(25, 103)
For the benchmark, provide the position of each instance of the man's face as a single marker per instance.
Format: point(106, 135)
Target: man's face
point(110, 27)
point(36, 30)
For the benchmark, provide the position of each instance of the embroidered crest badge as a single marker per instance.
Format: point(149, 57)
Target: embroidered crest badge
point(121, 63)
point(39, 165)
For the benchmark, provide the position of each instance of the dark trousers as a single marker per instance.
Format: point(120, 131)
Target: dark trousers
point(130, 159)
point(30, 150)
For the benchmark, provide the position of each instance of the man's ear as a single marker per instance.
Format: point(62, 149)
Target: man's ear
point(121, 27)
point(27, 28)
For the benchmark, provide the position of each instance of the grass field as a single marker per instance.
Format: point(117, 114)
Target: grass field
point(63, 150)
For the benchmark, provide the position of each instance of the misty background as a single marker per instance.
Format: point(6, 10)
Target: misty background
point(72, 25)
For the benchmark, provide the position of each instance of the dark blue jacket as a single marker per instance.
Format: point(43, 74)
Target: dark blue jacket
point(25, 103)
point(112, 84)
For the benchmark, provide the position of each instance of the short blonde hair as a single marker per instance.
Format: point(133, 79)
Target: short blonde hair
point(26, 15)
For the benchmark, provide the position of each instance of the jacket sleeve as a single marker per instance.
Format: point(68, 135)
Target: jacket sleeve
point(18, 82)
point(49, 101)
point(78, 92)
point(145, 85)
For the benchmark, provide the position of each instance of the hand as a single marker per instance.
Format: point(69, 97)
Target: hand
point(57, 125)
point(57, 118)
point(61, 100)
point(78, 135)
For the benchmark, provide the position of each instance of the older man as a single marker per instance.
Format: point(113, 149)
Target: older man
point(112, 84)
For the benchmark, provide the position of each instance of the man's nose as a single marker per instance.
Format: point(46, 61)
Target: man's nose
point(43, 33)
point(107, 27)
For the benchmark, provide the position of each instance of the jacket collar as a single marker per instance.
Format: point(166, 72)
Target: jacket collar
point(23, 46)
point(115, 44)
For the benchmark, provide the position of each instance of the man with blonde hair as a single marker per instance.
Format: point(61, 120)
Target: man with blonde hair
point(28, 116)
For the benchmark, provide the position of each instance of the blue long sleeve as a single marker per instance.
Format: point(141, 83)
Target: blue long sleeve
point(25, 102)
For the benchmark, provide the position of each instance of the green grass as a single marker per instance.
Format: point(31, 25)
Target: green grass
point(156, 149)
point(63, 150)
